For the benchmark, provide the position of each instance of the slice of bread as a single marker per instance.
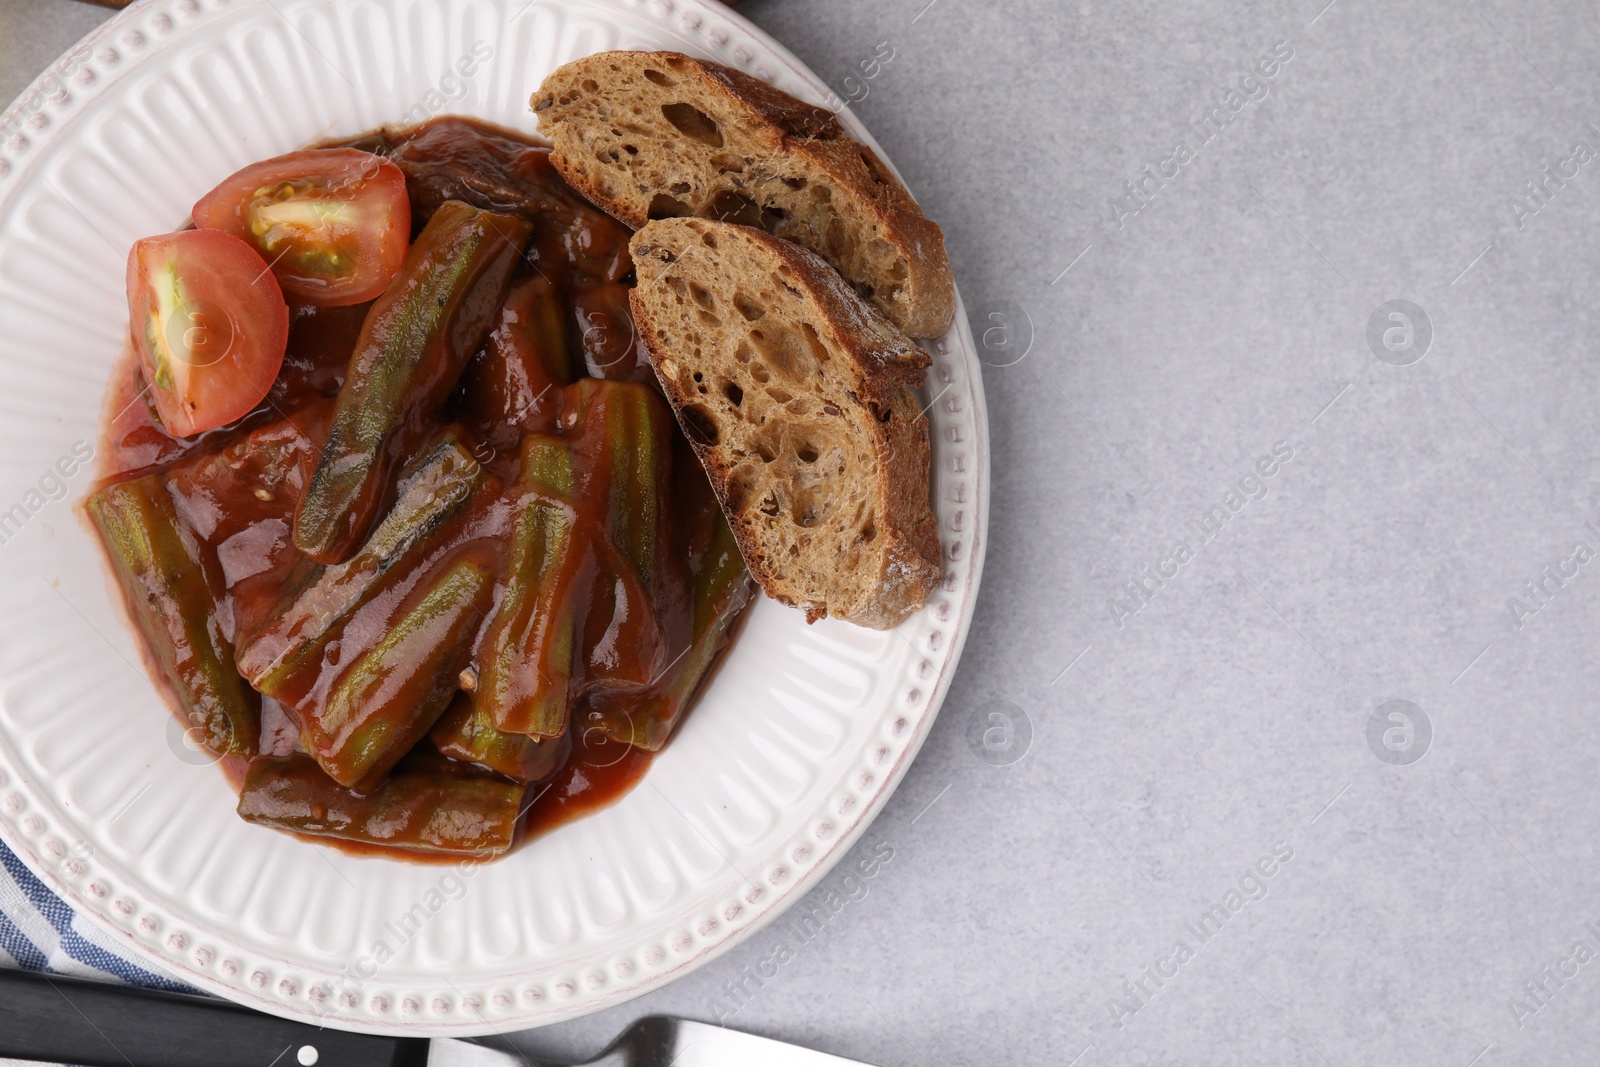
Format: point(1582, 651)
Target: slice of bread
point(649, 135)
point(797, 396)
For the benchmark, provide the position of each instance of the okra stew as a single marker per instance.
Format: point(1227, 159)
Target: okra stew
point(409, 536)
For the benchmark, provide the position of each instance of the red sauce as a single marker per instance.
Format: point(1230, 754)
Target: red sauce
point(583, 254)
point(596, 774)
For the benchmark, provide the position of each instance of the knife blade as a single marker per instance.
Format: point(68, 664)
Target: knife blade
point(659, 1041)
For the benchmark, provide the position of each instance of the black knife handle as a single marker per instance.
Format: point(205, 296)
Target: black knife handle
point(97, 1024)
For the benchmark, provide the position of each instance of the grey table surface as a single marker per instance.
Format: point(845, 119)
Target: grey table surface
point(1201, 829)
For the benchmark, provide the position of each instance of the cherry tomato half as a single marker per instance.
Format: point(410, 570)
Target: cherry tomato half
point(333, 222)
point(210, 326)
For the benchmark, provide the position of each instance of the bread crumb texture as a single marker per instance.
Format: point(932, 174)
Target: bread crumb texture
point(653, 135)
point(798, 397)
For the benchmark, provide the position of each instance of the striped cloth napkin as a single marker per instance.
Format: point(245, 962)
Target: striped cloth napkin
point(39, 932)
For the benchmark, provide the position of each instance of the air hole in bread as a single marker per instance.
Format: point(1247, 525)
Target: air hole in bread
point(795, 183)
point(734, 394)
point(869, 532)
point(782, 396)
point(590, 86)
point(679, 188)
point(699, 425)
point(785, 355)
point(765, 450)
point(779, 280)
point(747, 307)
point(663, 206)
point(730, 206)
point(709, 240)
point(819, 351)
point(834, 239)
point(871, 165)
point(807, 453)
point(810, 507)
point(702, 296)
point(742, 353)
point(760, 373)
point(831, 408)
point(693, 123)
point(769, 504)
point(729, 164)
point(632, 150)
point(658, 77)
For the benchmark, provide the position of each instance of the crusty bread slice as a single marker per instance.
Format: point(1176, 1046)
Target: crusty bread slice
point(650, 135)
point(797, 396)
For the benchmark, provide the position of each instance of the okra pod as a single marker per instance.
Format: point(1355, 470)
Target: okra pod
point(240, 499)
point(525, 667)
point(513, 386)
point(721, 589)
point(414, 343)
point(172, 593)
point(622, 434)
point(638, 618)
point(467, 731)
point(454, 159)
point(608, 339)
point(422, 807)
point(393, 693)
point(434, 492)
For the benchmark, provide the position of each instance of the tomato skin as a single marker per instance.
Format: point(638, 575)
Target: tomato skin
point(209, 324)
point(333, 222)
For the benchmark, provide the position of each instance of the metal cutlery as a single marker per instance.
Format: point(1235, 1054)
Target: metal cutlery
point(69, 1020)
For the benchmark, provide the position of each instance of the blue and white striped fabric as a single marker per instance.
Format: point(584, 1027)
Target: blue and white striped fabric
point(38, 932)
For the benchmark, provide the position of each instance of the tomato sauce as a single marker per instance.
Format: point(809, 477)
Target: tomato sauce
point(235, 491)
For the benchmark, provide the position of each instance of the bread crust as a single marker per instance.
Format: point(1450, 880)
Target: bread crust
point(787, 141)
point(884, 367)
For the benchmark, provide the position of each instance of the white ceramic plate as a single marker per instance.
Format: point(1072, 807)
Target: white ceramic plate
point(789, 755)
